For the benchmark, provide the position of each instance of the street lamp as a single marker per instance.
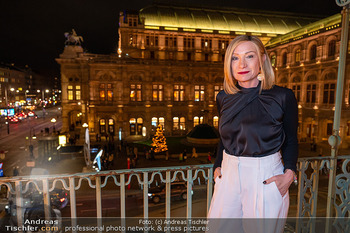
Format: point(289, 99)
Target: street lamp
point(7, 110)
point(53, 120)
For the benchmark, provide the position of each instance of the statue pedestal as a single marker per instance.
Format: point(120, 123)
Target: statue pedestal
point(71, 51)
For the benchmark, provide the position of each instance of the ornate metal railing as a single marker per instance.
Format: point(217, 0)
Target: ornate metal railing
point(312, 171)
point(19, 186)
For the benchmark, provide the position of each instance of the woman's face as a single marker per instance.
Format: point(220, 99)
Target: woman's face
point(245, 64)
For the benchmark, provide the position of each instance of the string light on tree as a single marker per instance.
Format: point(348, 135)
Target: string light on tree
point(159, 141)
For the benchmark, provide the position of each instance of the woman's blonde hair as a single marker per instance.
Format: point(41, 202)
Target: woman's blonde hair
point(265, 66)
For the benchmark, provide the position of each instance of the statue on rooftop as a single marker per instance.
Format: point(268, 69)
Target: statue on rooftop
point(72, 38)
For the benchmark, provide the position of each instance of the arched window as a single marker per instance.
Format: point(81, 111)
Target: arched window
point(329, 93)
point(313, 52)
point(273, 60)
point(182, 123)
point(284, 59)
point(132, 123)
point(136, 126)
point(111, 126)
point(158, 121)
point(197, 120)
point(297, 55)
point(331, 48)
point(102, 126)
point(179, 123)
point(216, 121)
point(139, 126)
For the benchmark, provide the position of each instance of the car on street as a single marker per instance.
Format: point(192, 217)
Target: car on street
point(178, 190)
point(31, 113)
point(14, 119)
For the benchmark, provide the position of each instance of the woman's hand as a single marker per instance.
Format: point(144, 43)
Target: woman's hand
point(282, 181)
point(217, 173)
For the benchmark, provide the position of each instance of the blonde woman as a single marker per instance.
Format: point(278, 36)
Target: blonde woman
point(258, 129)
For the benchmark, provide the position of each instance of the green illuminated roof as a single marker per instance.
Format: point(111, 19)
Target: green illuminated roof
point(222, 19)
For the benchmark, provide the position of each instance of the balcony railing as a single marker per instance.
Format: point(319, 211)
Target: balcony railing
point(310, 171)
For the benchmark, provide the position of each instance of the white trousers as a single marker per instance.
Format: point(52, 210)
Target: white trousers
point(241, 194)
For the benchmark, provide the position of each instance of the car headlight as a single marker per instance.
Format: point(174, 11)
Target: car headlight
point(191, 192)
point(150, 194)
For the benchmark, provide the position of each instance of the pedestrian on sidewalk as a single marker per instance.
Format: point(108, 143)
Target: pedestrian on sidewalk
point(111, 161)
point(152, 154)
point(209, 157)
point(181, 157)
point(15, 171)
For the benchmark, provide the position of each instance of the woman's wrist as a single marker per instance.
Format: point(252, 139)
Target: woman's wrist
point(292, 175)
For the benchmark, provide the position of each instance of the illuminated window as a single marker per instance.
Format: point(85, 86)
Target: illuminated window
point(199, 93)
point(179, 123)
point(135, 92)
point(216, 121)
point(197, 120)
point(158, 121)
point(106, 92)
point(176, 123)
point(132, 123)
point(328, 93)
point(70, 92)
point(102, 92)
point(132, 40)
point(182, 123)
point(77, 93)
point(139, 125)
point(223, 44)
point(217, 89)
point(206, 43)
point(161, 122)
point(111, 126)
point(273, 60)
point(157, 93)
point(179, 92)
point(102, 126)
point(152, 40)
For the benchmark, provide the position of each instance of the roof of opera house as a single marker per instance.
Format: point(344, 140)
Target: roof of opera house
point(313, 28)
point(223, 19)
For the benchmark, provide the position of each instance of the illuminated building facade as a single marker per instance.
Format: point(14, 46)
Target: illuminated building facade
point(306, 61)
point(169, 67)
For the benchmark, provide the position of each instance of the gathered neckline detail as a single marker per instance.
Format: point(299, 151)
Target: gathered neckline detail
point(249, 89)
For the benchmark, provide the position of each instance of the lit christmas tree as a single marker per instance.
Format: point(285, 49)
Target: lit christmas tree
point(159, 141)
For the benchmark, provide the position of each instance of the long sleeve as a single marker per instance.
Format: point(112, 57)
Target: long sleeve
point(220, 147)
point(290, 127)
point(219, 155)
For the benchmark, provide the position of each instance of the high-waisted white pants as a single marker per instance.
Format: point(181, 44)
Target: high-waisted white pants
point(241, 194)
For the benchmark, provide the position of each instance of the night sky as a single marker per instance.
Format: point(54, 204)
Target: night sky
point(32, 31)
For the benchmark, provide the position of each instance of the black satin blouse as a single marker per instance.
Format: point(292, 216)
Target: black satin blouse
point(257, 125)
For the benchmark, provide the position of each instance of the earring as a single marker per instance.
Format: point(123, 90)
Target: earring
point(260, 77)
